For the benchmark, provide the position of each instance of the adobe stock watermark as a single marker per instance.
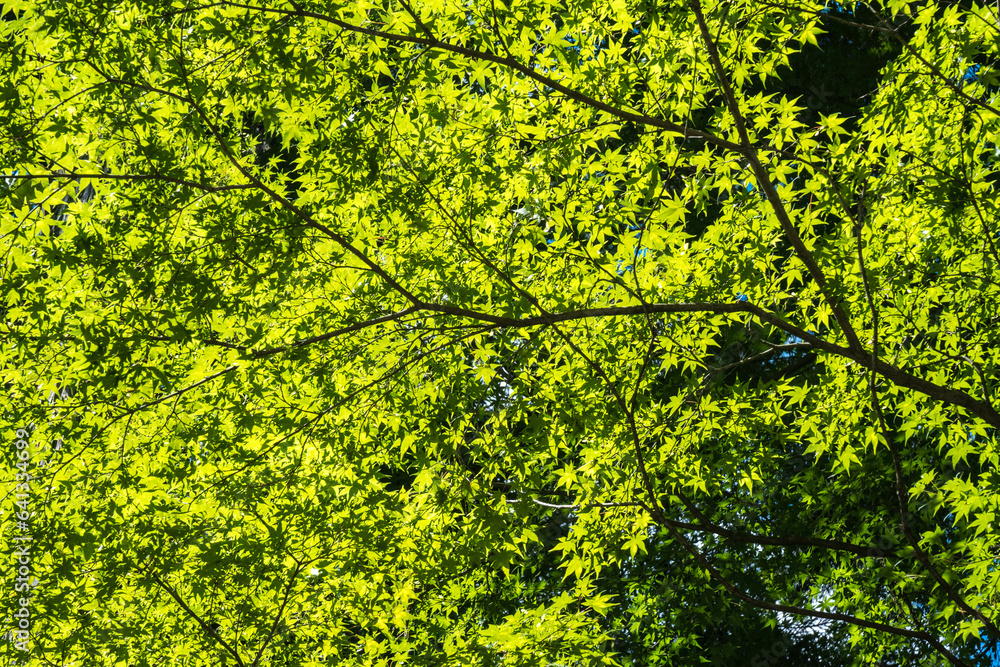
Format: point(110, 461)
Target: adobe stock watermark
point(21, 632)
point(884, 545)
point(771, 656)
point(817, 97)
point(22, 541)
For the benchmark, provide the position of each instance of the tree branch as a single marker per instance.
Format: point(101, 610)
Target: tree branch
point(897, 465)
point(204, 626)
point(73, 175)
point(892, 32)
point(474, 54)
point(764, 181)
point(392, 317)
point(801, 611)
point(277, 616)
point(305, 217)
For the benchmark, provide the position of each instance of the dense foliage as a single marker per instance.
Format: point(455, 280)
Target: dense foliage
point(502, 332)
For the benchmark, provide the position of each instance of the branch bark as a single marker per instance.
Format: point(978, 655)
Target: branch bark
point(764, 181)
point(900, 485)
point(506, 61)
point(204, 626)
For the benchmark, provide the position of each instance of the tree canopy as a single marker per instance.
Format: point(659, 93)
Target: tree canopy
point(501, 332)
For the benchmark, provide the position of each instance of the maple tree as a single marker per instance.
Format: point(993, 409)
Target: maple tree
point(501, 332)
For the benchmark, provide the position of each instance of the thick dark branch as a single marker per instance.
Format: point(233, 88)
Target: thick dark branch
point(204, 626)
point(735, 536)
point(790, 541)
point(420, 24)
point(900, 377)
point(897, 375)
point(900, 485)
point(474, 54)
point(801, 611)
point(764, 181)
